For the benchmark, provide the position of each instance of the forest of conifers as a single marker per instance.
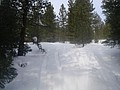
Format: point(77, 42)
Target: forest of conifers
point(20, 20)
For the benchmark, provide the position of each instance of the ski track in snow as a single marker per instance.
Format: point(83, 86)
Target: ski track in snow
point(66, 67)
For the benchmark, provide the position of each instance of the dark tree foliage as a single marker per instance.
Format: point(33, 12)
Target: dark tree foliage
point(79, 21)
point(49, 21)
point(7, 72)
point(111, 9)
point(14, 16)
point(97, 27)
point(8, 40)
point(25, 9)
point(8, 25)
point(71, 20)
point(62, 19)
point(34, 23)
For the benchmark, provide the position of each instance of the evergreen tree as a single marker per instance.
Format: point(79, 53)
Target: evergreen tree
point(79, 21)
point(49, 21)
point(63, 22)
point(8, 25)
point(35, 25)
point(62, 17)
point(26, 7)
point(71, 20)
point(97, 26)
point(8, 40)
point(106, 31)
point(112, 11)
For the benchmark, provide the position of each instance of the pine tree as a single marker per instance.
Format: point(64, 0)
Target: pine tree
point(9, 34)
point(49, 21)
point(63, 22)
point(26, 7)
point(71, 21)
point(79, 21)
point(97, 26)
point(62, 17)
point(106, 31)
point(35, 25)
point(112, 12)
point(8, 40)
point(8, 25)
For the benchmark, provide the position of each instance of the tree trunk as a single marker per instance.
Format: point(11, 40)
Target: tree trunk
point(22, 34)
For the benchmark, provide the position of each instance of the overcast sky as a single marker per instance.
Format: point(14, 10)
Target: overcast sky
point(97, 5)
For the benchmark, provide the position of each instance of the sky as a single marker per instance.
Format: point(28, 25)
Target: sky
point(58, 3)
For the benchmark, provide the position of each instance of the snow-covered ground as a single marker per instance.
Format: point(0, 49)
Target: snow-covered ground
point(67, 67)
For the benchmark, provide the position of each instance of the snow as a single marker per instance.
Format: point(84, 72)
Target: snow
point(67, 67)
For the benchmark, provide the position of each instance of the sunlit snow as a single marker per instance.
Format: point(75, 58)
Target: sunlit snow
point(67, 67)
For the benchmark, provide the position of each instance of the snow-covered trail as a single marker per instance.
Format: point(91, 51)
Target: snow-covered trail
point(66, 67)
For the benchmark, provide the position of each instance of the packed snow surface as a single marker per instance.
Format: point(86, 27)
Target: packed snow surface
point(68, 67)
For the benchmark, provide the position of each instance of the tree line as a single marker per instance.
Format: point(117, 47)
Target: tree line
point(111, 9)
point(20, 20)
point(16, 17)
